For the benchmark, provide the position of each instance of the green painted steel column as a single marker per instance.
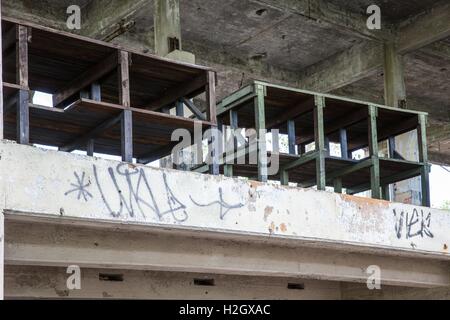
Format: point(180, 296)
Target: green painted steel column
point(373, 149)
point(423, 158)
point(260, 126)
point(337, 185)
point(320, 142)
point(228, 168)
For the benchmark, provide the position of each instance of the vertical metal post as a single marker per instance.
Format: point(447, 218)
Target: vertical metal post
point(234, 123)
point(344, 143)
point(127, 118)
point(373, 148)
point(386, 192)
point(320, 142)
point(260, 126)
point(391, 147)
point(90, 147)
point(96, 92)
point(337, 183)
point(423, 158)
point(23, 96)
point(179, 108)
point(127, 136)
point(291, 136)
point(284, 178)
point(386, 189)
point(96, 95)
point(212, 117)
point(327, 147)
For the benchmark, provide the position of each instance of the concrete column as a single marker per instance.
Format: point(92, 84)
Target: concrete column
point(167, 25)
point(168, 42)
point(406, 144)
point(394, 82)
point(168, 31)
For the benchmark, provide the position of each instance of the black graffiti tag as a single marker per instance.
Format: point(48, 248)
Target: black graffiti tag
point(415, 224)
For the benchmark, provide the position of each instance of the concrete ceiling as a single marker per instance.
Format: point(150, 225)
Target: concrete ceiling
point(394, 11)
point(251, 30)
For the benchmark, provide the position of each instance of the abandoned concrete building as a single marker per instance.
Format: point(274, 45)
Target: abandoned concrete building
point(333, 125)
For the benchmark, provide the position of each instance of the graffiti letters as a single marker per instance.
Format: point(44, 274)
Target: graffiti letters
point(413, 224)
point(126, 191)
point(141, 196)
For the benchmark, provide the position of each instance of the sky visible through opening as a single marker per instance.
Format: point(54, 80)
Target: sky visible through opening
point(439, 176)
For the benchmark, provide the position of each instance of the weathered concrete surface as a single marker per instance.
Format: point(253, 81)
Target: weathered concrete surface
point(58, 184)
point(167, 25)
point(2, 250)
point(61, 242)
point(354, 291)
point(48, 282)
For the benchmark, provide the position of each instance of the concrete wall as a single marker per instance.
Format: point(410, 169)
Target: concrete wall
point(54, 184)
point(2, 258)
point(47, 282)
point(353, 291)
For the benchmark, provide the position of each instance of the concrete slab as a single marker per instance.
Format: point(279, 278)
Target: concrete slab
point(55, 184)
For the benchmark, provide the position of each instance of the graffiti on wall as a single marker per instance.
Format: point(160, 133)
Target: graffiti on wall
point(411, 224)
point(135, 194)
point(128, 191)
point(80, 187)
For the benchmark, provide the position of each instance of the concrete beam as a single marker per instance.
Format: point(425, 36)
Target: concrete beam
point(439, 158)
point(343, 68)
point(331, 15)
point(103, 190)
point(438, 49)
point(50, 283)
point(40, 13)
point(104, 18)
point(363, 59)
point(41, 244)
point(425, 28)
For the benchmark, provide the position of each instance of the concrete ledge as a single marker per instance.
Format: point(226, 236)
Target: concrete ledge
point(55, 184)
point(40, 245)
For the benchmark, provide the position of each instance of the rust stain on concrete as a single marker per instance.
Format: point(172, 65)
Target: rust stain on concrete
point(267, 212)
point(365, 203)
point(255, 184)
